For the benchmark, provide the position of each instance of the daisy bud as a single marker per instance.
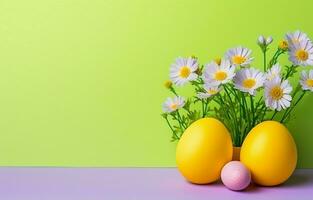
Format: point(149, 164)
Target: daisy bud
point(261, 40)
point(283, 45)
point(194, 57)
point(269, 40)
point(199, 72)
point(168, 84)
point(218, 61)
point(164, 115)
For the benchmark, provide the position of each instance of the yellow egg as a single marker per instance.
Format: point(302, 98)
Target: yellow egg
point(270, 153)
point(203, 150)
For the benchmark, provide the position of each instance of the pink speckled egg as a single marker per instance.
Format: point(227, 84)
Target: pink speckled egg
point(235, 176)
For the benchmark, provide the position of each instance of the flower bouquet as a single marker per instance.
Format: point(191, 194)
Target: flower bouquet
point(239, 95)
point(239, 109)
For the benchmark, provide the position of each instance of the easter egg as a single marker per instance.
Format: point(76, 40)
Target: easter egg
point(270, 153)
point(203, 150)
point(235, 175)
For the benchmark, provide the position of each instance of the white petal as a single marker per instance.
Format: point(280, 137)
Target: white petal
point(192, 77)
point(261, 39)
point(311, 74)
point(269, 40)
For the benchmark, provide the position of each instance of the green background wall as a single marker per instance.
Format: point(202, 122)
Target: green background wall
point(81, 82)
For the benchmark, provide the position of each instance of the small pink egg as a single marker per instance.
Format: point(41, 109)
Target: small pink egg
point(235, 176)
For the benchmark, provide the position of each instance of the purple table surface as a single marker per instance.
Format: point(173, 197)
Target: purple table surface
point(134, 183)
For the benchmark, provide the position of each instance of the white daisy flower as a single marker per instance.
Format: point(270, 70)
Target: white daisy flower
point(209, 91)
point(183, 71)
point(277, 94)
point(301, 53)
point(306, 80)
point(215, 74)
point(248, 80)
point(296, 37)
point(173, 104)
point(239, 56)
point(274, 71)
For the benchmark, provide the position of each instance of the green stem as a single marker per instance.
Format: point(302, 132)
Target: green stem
point(234, 120)
point(287, 113)
point(248, 117)
point(274, 58)
point(252, 109)
point(181, 121)
point(263, 110)
point(196, 84)
point(206, 107)
point(173, 91)
point(228, 115)
point(169, 124)
point(274, 114)
point(245, 107)
point(259, 101)
point(178, 118)
point(287, 74)
point(202, 105)
point(244, 117)
point(292, 97)
point(264, 60)
point(240, 110)
point(291, 71)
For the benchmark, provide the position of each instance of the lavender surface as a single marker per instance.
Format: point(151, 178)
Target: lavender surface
point(134, 184)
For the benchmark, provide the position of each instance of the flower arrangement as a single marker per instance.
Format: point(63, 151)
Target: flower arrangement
point(239, 95)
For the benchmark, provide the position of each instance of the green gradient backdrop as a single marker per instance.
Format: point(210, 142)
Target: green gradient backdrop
point(81, 81)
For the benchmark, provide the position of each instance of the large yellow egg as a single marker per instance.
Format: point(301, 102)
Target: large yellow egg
point(203, 150)
point(270, 153)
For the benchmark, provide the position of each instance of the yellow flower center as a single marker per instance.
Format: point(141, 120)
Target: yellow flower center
point(184, 72)
point(276, 93)
point(248, 83)
point(220, 75)
point(238, 59)
point(309, 82)
point(283, 45)
point(173, 106)
point(211, 91)
point(302, 55)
